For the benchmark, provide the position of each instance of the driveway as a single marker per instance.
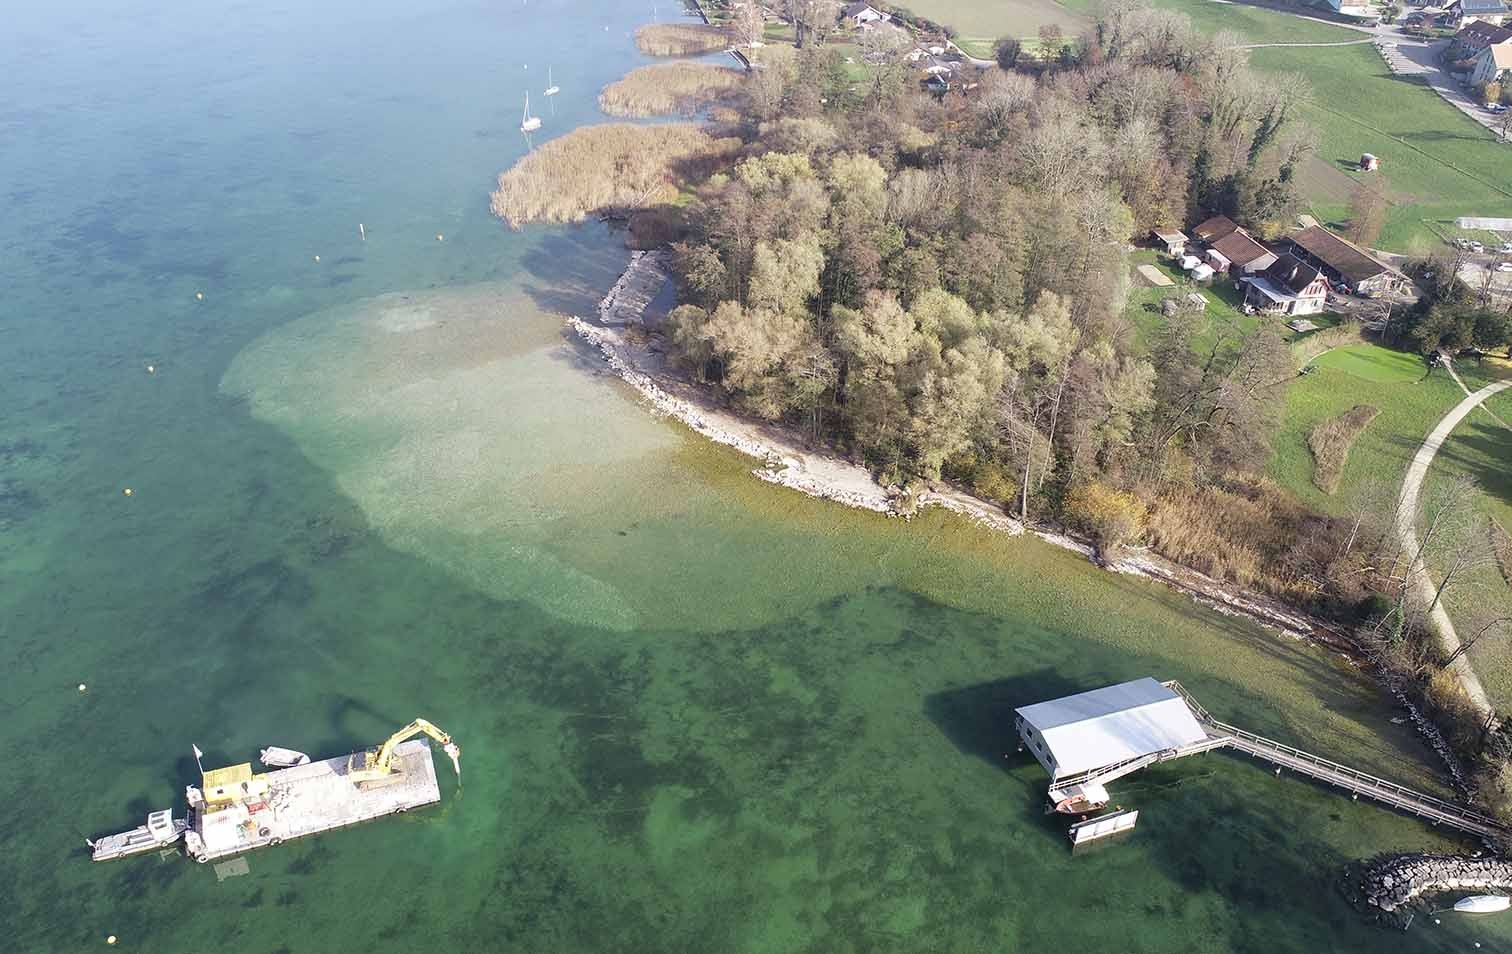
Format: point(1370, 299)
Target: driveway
point(1426, 56)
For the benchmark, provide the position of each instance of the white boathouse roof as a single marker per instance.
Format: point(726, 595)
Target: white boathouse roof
point(1105, 726)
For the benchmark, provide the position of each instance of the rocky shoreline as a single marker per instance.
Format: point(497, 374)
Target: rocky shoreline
point(1394, 888)
point(632, 352)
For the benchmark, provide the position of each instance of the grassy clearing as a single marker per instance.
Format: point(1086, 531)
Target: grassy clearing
point(1482, 448)
point(665, 89)
point(600, 168)
point(681, 39)
point(1439, 163)
point(997, 18)
point(1221, 316)
point(1411, 402)
point(1255, 24)
point(1331, 440)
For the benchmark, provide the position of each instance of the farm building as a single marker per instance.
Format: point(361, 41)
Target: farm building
point(1462, 12)
point(1369, 162)
point(1343, 261)
point(1104, 727)
point(1215, 228)
point(1287, 287)
point(1241, 254)
point(1174, 241)
point(1491, 64)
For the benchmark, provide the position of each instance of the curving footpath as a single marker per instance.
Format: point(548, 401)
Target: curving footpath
point(1406, 521)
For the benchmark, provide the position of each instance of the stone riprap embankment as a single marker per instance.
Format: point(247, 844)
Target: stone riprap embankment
point(1394, 887)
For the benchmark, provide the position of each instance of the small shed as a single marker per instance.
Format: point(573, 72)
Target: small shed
point(1203, 272)
point(1369, 163)
point(1219, 261)
point(1174, 241)
point(1103, 727)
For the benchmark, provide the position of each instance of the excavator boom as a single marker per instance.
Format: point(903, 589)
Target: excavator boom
point(380, 764)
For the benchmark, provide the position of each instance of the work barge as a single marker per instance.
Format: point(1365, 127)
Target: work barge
point(1089, 740)
point(236, 810)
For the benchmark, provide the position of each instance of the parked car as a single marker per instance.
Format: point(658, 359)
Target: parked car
point(1506, 248)
point(1476, 247)
point(1504, 266)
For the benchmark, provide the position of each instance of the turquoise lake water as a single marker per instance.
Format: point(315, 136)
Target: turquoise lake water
point(698, 713)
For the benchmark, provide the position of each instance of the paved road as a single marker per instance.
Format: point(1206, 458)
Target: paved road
point(1407, 507)
point(1426, 55)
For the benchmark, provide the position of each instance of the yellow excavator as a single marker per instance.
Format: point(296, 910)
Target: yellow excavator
point(376, 766)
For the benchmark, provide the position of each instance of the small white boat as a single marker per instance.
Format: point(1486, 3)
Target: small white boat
point(161, 830)
point(529, 123)
point(1482, 904)
point(551, 88)
point(282, 758)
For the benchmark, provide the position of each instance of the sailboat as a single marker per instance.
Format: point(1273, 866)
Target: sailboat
point(529, 123)
point(551, 88)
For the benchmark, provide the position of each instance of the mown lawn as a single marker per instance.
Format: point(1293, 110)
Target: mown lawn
point(1221, 316)
point(1255, 24)
point(999, 18)
point(1437, 163)
point(1411, 401)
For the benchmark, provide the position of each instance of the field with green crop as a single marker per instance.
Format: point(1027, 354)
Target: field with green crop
point(997, 18)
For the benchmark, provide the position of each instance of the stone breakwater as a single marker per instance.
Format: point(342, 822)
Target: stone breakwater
point(1394, 887)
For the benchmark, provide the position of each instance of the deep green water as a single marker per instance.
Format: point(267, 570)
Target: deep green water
point(698, 713)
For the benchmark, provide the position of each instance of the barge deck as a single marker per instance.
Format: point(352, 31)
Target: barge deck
point(243, 814)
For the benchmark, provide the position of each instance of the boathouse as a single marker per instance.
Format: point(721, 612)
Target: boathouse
point(1107, 726)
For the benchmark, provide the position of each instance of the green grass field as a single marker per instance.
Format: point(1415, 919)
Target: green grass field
point(1437, 162)
point(999, 18)
point(1255, 24)
point(1411, 402)
point(1222, 312)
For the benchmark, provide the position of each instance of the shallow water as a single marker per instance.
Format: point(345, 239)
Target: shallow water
point(697, 712)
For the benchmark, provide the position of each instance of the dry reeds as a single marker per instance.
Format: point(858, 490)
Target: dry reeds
point(681, 39)
point(1331, 440)
point(601, 169)
point(666, 89)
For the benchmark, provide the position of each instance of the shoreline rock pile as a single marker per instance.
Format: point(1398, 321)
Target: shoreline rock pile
point(1392, 887)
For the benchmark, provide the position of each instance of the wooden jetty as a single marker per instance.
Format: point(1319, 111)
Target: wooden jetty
point(1221, 735)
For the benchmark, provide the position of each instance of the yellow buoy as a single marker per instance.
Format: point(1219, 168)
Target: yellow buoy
point(82, 687)
point(152, 369)
point(439, 237)
point(199, 296)
point(110, 939)
point(126, 492)
point(317, 258)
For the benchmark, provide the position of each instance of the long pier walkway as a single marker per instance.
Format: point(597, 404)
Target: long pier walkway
point(1357, 783)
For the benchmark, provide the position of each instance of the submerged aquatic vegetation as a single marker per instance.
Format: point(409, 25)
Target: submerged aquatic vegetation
point(666, 88)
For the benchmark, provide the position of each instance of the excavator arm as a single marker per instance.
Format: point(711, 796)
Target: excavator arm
point(381, 763)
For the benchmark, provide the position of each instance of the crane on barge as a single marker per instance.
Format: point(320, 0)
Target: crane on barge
point(376, 766)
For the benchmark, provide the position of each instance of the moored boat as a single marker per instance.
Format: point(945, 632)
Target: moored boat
point(161, 830)
point(282, 758)
point(1482, 904)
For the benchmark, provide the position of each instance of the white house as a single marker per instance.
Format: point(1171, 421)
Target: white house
point(1491, 63)
point(860, 14)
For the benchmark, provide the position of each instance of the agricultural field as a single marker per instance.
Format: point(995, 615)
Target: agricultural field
point(1436, 162)
point(990, 19)
point(1254, 24)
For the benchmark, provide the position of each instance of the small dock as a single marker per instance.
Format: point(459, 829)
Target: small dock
point(1213, 734)
point(310, 799)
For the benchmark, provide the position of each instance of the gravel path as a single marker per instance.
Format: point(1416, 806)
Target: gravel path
point(1407, 505)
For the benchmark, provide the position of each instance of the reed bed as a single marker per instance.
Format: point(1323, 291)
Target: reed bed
point(608, 168)
point(681, 39)
point(667, 89)
point(1331, 440)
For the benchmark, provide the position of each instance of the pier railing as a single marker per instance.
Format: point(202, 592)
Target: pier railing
point(1221, 735)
